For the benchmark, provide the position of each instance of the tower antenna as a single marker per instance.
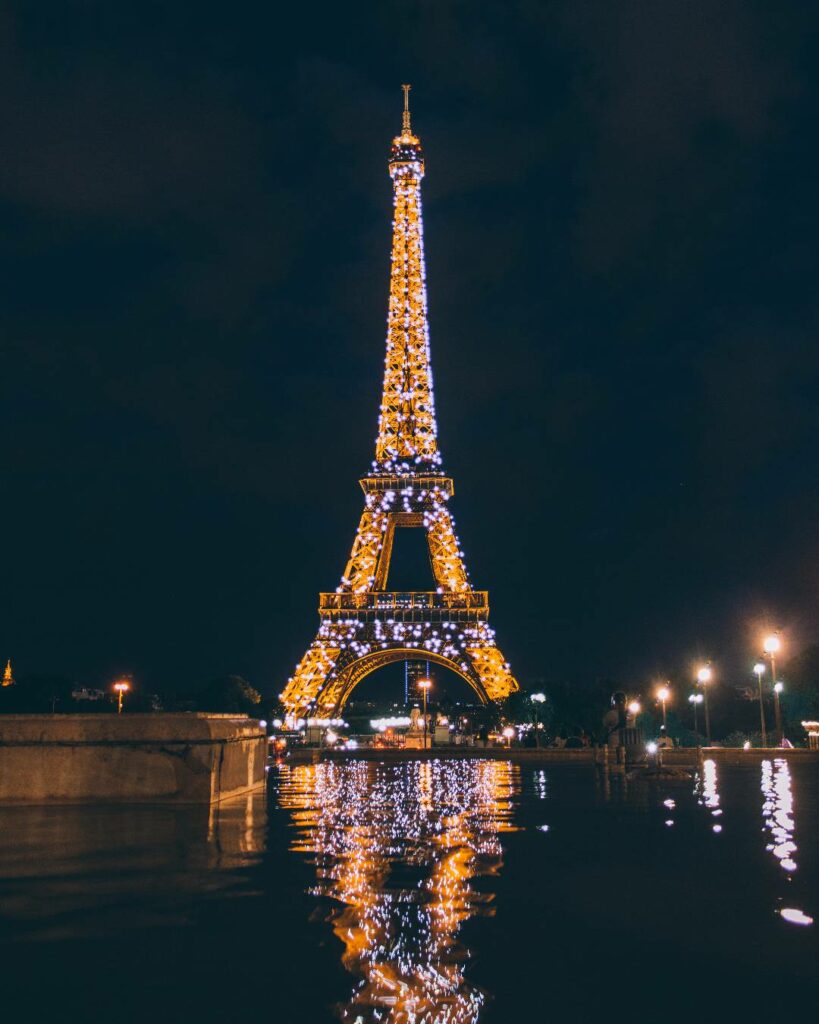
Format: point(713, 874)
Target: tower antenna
point(406, 124)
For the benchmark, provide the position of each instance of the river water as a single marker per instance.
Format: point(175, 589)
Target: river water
point(443, 891)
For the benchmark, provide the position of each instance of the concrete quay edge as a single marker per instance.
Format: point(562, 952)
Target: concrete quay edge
point(138, 758)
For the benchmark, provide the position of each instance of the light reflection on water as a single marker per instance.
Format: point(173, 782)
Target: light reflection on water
point(541, 785)
point(408, 862)
point(397, 848)
point(707, 786)
point(777, 811)
point(778, 814)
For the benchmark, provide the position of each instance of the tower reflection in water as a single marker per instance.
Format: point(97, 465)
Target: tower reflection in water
point(397, 846)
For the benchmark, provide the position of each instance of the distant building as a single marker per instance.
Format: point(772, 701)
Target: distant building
point(812, 729)
point(87, 693)
point(8, 676)
point(413, 671)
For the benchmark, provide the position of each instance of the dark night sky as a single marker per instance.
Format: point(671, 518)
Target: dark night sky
point(621, 213)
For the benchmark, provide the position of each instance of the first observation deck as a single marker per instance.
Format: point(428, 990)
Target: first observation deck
point(406, 606)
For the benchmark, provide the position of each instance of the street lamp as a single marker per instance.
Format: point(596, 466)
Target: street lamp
point(508, 732)
point(696, 700)
point(759, 672)
point(537, 698)
point(662, 696)
point(635, 708)
point(778, 688)
point(771, 646)
point(121, 687)
point(424, 685)
point(704, 677)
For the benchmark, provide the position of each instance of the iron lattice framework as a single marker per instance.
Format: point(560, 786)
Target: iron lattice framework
point(363, 625)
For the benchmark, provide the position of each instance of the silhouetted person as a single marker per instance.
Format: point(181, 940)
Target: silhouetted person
point(664, 739)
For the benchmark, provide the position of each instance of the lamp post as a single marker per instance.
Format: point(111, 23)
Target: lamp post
point(537, 698)
point(771, 645)
point(704, 677)
point(759, 672)
point(662, 696)
point(121, 687)
point(778, 688)
point(696, 700)
point(424, 685)
point(508, 732)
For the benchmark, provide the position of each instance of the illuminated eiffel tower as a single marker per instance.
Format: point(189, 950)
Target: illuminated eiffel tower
point(363, 625)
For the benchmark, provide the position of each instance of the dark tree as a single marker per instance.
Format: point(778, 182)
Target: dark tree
point(45, 693)
point(800, 701)
point(230, 695)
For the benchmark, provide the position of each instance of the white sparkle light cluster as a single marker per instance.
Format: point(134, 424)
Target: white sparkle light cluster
point(449, 639)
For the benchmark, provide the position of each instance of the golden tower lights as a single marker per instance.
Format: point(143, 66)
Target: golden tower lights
point(364, 625)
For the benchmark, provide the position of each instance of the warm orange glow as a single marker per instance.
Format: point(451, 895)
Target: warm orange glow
point(705, 674)
point(663, 694)
point(121, 686)
point(424, 684)
point(771, 644)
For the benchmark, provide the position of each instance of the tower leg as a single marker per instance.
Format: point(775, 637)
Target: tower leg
point(303, 689)
point(492, 669)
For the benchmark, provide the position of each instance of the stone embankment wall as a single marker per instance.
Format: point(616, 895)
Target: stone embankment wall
point(176, 758)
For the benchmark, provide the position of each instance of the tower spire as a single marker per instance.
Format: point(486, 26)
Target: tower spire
point(407, 432)
point(8, 676)
point(406, 122)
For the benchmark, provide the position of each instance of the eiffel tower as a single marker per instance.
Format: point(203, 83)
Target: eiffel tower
point(363, 625)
